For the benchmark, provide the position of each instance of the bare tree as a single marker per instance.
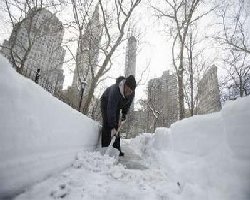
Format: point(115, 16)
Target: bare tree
point(23, 16)
point(182, 15)
point(26, 17)
point(235, 20)
point(87, 35)
point(155, 113)
point(238, 69)
point(81, 11)
point(99, 33)
point(189, 92)
point(112, 38)
point(195, 67)
point(235, 41)
point(154, 103)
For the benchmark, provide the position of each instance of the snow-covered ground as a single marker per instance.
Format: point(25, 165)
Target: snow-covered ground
point(203, 157)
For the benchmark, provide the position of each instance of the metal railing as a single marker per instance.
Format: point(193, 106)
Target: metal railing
point(44, 80)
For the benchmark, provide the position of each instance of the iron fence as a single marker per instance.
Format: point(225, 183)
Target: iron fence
point(43, 79)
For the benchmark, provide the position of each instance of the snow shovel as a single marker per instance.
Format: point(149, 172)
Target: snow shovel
point(113, 139)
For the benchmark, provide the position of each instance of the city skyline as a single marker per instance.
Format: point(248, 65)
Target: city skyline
point(154, 51)
point(151, 53)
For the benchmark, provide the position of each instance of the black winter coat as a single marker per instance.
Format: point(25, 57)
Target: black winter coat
point(111, 103)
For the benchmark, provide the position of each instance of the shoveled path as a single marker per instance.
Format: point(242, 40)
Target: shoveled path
point(131, 160)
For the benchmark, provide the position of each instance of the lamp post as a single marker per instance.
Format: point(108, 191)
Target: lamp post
point(83, 85)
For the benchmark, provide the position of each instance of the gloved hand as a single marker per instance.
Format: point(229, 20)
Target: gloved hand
point(123, 119)
point(113, 132)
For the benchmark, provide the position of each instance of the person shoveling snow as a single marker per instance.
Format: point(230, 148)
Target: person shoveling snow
point(118, 96)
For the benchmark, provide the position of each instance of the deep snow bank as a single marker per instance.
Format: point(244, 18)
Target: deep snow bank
point(214, 151)
point(39, 135)
point(228, 130)
point(208, 155)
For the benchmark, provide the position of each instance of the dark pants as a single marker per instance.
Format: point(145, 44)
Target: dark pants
point(106, 130)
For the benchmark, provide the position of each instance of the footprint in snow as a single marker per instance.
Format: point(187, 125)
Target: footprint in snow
point(61, 192)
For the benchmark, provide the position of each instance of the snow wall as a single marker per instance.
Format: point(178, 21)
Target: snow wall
point(229, 129)
point(208, 156)
point(200, 135)
point(211, 152)
point(39, 135)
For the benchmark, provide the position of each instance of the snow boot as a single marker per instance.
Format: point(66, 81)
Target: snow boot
point(116, 145)
point(121, 153)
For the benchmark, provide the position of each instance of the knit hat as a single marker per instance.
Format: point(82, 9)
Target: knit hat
point(131, 82)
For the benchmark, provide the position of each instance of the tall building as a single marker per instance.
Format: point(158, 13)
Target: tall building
point(208, 93)
point(170, 98)
point(130, 59)
point(86, 57)
point(36, 42)
point(88, 50)
point(130, 69)
point(162, 101)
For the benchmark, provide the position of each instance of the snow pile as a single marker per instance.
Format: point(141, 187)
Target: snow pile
point(163, 139)
point(39, 135)
point(198, 135)
point(107, 179)
point(236, 117)
point(208, 155)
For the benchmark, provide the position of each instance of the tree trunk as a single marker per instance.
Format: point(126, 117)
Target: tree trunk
point(181, 95)
point(241, 88)
point(180, 85)
point(191, 78)
point(89, 97)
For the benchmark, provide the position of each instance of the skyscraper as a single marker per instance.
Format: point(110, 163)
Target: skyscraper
point(86, 60)
point(162, 101)
point(130, 69)
point(35, 43)
point(88, 51)
point(209, 93)
point(130, 60)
